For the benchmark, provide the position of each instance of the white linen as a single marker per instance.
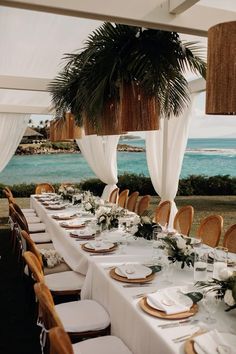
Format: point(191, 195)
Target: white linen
point(168, 302)
point(165, 151)
point(210, 341)
point(101, 155)
point(12, 128)
point(72, 223)
point(101, 345)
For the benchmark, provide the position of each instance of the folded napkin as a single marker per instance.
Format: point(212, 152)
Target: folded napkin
point(133, 271)
point(83, 233)
point(163, 301)
point(63, 215)
point(99, 245)
point(211, 342)
point(73, 223)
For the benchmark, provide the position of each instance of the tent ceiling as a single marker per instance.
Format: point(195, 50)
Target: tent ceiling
point(33, 42)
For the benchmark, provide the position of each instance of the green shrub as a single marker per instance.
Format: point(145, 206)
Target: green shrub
point(93, 185)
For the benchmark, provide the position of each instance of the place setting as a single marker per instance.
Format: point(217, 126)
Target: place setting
point(132, 273)
point(99, 246)
point(72, 224)
point(86, 233)
point(64, 216)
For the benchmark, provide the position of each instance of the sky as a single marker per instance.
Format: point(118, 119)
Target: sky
point(201, 126)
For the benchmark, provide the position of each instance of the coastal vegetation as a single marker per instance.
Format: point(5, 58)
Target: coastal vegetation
point(197, 185)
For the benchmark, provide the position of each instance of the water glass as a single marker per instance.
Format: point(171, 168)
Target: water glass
point(200, 263)
point(220, 261)
point(210, 302)
point(156, 246)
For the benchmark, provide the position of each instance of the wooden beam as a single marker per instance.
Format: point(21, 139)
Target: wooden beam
point(150, 13)
point(179, 6)
point(23, 83)
point(197, 85)
point(25, 109)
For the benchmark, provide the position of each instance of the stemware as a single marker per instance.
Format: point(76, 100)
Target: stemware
point(210, 302)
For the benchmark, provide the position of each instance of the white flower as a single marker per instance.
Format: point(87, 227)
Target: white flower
point(136, 220)
point(133, 229)
point(225, 274)
point(228, 298)
point(87, 206)
point(181, 244)
point(146, 220)
point(188, 250)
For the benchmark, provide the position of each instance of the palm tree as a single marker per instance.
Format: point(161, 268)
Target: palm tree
point(117, 58)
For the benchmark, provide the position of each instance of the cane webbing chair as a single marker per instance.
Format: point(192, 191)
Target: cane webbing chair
point(143, 204)
point(210, 230)
point(230, 239)
point(44, 188)
point(114, 196)
point(132, 201)
point(162, 213)
point(183, 220)
point(122, 199)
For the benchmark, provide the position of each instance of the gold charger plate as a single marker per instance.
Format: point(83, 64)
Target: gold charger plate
point(64, 218)
point(53, 208)
point(126, 280)
point(92, 250)
point(80, 226)
point(189, 344)
point(161, 314)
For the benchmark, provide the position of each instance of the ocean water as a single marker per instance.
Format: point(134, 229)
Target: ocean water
point(203, 156)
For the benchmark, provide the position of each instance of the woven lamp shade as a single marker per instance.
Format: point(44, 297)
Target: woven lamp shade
point(64, 129)
point(221, 69)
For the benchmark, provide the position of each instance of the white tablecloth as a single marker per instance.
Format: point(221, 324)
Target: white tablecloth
point(137, 329)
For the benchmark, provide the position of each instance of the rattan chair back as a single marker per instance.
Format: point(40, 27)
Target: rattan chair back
point(30, 245)
point(60, 342)
point(162, 213)
point(183, 220)
point(132, 201)
point(114, 196)
point(17, 218)
point(44, 188)
point(210, 230)
point(123, 197)
point(143, 204)
point(34, 265)
point(230, 239)
point(7, 192)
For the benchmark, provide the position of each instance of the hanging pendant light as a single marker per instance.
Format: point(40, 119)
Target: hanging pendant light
point(221, 69)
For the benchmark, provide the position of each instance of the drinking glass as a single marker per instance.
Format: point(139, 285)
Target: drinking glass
point(220, 261)
point(200, 263)
point(210, 302)
point(156, 246)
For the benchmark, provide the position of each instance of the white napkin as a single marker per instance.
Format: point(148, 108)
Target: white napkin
point(209, 342)
point(165, 302)
point(137, 271)
point(72, 223)
point(62, 215)
point(84, 232)
point(99, 245)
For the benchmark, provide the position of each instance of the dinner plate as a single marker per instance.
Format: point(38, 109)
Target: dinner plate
point(191, 347)
point(139, 268)
point(126, 280)
point(161, 314)
point(64, 217)
point(55, 207)
point(72, 225)
point(184, 300)
point(86, 248)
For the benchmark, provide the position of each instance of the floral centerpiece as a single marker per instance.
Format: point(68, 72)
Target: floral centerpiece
point(90, 202)
point(108, 217)
point(145, 227)
point(66, 192)
point(179, 249)
point(225, 287)
point(51, 258)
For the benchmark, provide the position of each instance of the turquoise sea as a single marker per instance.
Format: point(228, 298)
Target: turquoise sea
point(203, 156)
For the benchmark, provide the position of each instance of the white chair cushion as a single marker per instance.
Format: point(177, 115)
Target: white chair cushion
point(64, 281)
point(45, 246)
point(101, 345)
point(30, 214)
point(39, 227)
point(81, 316)
point(40, 237)
point(32, 219)
point(28, 210)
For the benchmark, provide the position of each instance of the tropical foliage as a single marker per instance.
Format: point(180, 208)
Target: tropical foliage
point(115, 55)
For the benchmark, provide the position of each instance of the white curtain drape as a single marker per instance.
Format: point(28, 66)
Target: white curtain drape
point(165, 151)
point(12, 128)
point(101, 154)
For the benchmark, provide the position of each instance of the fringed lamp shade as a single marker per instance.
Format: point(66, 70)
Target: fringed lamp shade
point(221, 69)
point(64, 129)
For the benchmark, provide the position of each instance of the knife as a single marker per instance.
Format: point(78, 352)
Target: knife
point(177, 324)
point(134, 285)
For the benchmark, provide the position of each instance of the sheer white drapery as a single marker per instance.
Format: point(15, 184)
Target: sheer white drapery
point(101, 154)
point(12, 128)
point(165, 151)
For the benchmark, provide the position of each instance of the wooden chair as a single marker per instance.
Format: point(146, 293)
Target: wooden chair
point(210, 230)
point(60, 344)
point(114, 196)
point(122, 199)
point(61, 284)
point(44, 188)
point(81, 319)
point(183, 220)
point(29, 218)
point(230, 239)
point(7, 192)
point(162, 213)
point(143, 204)
point(132, 201)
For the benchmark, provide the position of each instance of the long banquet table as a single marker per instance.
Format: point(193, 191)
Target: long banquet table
point(137, 329)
